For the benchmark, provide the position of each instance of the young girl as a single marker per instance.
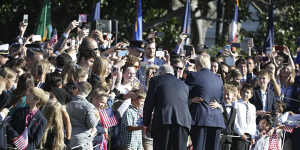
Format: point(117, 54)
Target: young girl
point(99, 100)
point(53, 137)
point(28, 121)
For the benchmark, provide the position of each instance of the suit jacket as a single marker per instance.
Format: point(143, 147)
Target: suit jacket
point(168, 97)
point(36, 127)
point(209, 87)
point(256, 100)
point(229, 123)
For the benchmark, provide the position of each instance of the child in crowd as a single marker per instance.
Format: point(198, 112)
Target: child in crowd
point(264, 97)
point(28, 121)
point(54, 136)
point(132, 123)
point(245, 122)
point(229, 113)
point(99, 100)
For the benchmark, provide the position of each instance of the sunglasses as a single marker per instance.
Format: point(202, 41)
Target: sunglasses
point(178, 68)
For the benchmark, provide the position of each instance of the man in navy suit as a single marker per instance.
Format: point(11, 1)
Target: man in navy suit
point(205, 87)
point(168, 98)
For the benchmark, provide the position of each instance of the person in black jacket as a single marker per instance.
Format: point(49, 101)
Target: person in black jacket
point(264, 98)
point(229, 113)
point(29, 117)
point(168, 97)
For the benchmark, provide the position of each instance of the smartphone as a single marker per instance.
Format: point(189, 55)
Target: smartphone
point(160, 53)
point(279, 47)
point(36, 38)
point(122, 53)
point(188, 50)
point(227, 48)
point(235, 45)
point(25, 19)
point(82, 18)
point(250, 42)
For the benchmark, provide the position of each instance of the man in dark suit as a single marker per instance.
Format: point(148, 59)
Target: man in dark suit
point(168, 97)
point(205, 87)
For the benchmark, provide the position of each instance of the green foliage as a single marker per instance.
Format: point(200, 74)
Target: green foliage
point(287, 18)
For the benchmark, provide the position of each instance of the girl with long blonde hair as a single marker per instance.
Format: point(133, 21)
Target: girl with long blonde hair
point(53, 137)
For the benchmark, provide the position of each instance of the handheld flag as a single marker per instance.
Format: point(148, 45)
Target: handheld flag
point(234, 25)
point(186, 28)
point(269, 42)
point(138, 26)
point(108, 118)
point(44, 25)
point(21, 142)
point(54, 38)
point(288, 129)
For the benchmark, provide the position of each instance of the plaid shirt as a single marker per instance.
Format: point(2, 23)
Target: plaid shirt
point(131, 139)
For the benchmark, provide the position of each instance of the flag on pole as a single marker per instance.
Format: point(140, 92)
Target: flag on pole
point(138, 26)
point(44, 25)
point(96, 14)
point(21, 142)
point(234, 24)
point(269, 42)
point(186, 28)
point(108, 118)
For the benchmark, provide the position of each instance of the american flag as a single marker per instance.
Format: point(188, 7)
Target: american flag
point(53, 38)
point(102, 145)
point(234, 25)
point(273, 142)
point(288, 129)
point(21, 142)
point(108, 118)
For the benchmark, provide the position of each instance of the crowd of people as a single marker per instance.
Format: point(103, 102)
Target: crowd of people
point(83, 92)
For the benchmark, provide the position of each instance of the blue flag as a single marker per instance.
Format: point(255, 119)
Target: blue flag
point(138, 26)
point(269, 42)
point(96, 13)
point(186, 28)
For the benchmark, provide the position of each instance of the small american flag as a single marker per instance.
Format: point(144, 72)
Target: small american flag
point(273, 142)
point(288, 129)
point(108, 118)
point(102, 145)
point(21, 142)
point(54, 38)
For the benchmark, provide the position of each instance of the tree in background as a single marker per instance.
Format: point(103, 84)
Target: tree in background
point(162, 16)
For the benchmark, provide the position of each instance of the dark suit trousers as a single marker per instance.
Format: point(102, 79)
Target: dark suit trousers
point(205, 138)
point(170, 137)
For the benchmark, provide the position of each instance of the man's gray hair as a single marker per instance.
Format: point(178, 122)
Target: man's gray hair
point(165, 69)
point(203, 61)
